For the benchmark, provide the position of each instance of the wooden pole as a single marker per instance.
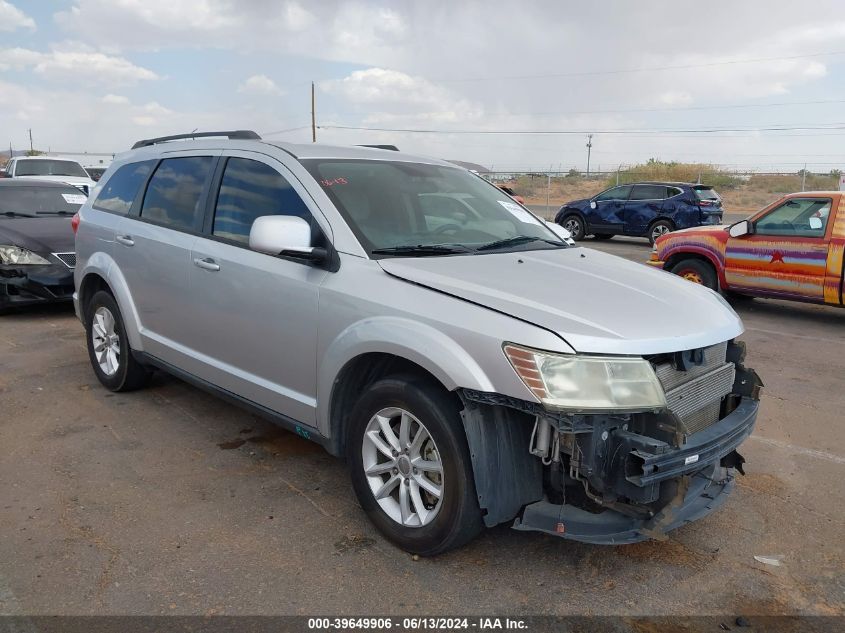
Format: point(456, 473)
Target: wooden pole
point(313, 116)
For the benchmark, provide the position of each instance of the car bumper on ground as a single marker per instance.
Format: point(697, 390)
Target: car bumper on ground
point(28, 285)
point(704, 486)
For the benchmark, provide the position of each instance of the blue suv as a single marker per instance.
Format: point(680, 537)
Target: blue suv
point(643, 209)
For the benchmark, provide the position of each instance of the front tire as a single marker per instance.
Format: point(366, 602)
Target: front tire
point(698, 272)
point(659, 229)
point(575, 225)
point(410, 465)
point(108, 347)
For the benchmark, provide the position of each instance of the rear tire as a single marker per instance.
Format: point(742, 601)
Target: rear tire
point(697, 271)
point(658, 229)
point(423, 523)
point(108, 347)
point(575, 225)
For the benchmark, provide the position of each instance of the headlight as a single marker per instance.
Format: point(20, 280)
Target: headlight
point(19, 256)
point(588, 383)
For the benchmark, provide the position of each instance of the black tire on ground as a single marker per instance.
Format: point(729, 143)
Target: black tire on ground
point(697, 271)
point(458, 519)
point(659, 228)
point(603, 236)
point(130, 374)
point(575, 225)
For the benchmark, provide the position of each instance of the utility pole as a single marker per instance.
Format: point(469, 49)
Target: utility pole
point(313, 116)
point(803, 176)
point(589, 149)
point(31, 150)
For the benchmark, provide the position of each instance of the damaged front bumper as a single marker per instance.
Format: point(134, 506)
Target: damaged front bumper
point(27, 285)
point(704, 467)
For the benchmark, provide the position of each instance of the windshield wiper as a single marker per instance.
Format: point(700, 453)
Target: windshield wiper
point(60, 212)
point(516, 241)
point(12, 214)
point(422, 250)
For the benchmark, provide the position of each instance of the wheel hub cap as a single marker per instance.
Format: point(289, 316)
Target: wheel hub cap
point(105, 341)
point(403, 467)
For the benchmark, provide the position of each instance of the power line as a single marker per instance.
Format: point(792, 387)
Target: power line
point(639, 70)
point(773, 128)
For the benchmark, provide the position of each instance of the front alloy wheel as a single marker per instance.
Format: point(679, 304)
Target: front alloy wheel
point(403, 467)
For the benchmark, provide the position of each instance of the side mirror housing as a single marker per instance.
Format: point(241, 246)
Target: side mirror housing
point(284, 235)
point(743, 227)
point(561, 232)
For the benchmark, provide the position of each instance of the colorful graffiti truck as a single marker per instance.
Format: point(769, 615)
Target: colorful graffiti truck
point(792, 249)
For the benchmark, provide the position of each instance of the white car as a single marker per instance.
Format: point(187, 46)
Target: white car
point(54, 169)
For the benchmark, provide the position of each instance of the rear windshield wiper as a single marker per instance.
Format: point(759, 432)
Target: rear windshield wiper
point(421, 250)
point(55, 212)
point(516, 241)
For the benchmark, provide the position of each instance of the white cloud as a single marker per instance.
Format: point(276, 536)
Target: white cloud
point(75, 63)
point(12, 18)
point(260, 85)
point(116, 99)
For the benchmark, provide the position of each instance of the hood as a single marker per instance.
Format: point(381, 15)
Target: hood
point(40, 235)
point(597, 303)
point(577, 203)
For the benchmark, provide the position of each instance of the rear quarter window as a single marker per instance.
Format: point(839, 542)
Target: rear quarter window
point(121, 189)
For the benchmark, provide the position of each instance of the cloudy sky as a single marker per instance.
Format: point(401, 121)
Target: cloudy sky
point(645, 77)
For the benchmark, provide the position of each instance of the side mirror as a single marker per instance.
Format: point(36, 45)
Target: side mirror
point(284, 235)
point(593, 204)
point(816, 223)
point(741, 228)
point(561, 232)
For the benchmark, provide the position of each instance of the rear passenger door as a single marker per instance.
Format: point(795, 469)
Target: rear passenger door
point(256, 325)
point(153, 251)
point(644, 206)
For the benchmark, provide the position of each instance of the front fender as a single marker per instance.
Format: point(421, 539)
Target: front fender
point(417, 342)
point(101, 264)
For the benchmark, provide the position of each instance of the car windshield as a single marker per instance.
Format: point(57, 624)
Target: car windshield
point(49, 167)
point(37, 201)
point(705, 193)
point(414, 209)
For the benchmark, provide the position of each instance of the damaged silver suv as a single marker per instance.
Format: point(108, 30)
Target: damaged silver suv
point(471, 366)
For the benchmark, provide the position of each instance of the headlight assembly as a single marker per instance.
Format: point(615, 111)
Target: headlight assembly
point(572, 382)
point(19, 256)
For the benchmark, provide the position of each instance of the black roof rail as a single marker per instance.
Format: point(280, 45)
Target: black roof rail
point(232, 134)
point(392, 148)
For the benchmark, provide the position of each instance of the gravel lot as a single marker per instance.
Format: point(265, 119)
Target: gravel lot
point(168, 501)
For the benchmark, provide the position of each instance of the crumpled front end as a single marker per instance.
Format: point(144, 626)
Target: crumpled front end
point(27, 285)
point(623, 478)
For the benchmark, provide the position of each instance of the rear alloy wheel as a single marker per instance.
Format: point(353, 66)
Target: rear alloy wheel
point(698, 272)
point(410, 465)
point(658, 229)
point(108, 348)
point(575, 226)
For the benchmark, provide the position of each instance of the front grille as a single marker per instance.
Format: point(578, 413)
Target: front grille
point(695, 396)
point(68, 259)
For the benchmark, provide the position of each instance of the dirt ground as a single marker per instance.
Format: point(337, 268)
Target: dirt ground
point(168, 501)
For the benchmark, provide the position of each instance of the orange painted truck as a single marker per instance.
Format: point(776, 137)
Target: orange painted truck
point(792, 249)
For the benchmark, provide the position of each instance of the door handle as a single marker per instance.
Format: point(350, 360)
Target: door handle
point(206, 263)
point(126, 240)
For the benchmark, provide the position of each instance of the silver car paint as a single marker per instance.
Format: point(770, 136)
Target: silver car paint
point(303, 325)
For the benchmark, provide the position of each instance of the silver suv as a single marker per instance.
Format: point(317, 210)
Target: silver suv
point(471, 366)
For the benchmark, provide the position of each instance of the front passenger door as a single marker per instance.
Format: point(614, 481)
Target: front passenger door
point(255, 329)
point(607, 211)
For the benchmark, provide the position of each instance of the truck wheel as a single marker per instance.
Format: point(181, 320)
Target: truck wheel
point(659, 228)
point(575, 225)
point(410, 463)
point(108, 347)
point(698, 272)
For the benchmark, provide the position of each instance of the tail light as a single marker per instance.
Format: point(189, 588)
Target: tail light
point(74, 222)
point(705, 203)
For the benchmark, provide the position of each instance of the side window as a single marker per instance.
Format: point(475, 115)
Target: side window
point(802, 217)
point(122, 187)
point(617, 193)
point(648, 192)
point(250, 189)
point(174, 194)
